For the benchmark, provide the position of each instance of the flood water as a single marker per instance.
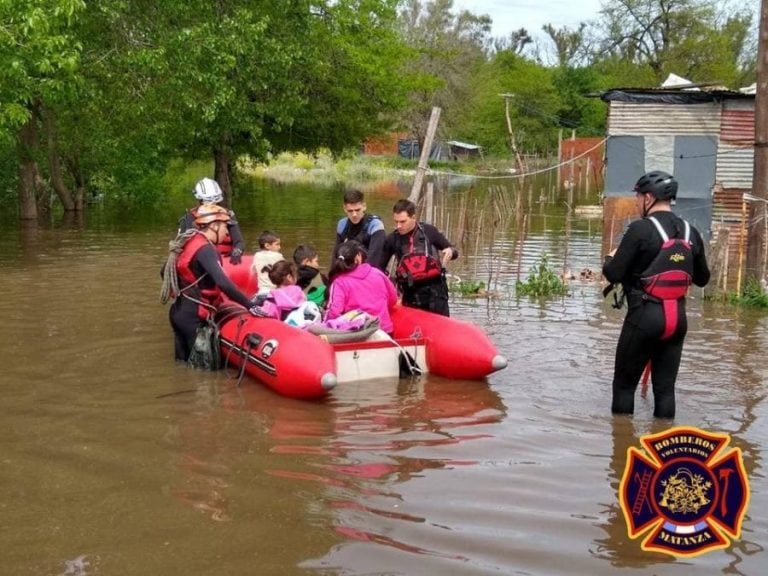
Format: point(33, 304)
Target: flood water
point(117, 461)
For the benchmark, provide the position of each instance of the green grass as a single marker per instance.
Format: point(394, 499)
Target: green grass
point(752, 296)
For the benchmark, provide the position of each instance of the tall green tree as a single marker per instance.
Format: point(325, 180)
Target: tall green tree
point(446, 48)
point(106, 95)
point(688, 37)
point(352, 82)
point(534, 104)
point(39, 69)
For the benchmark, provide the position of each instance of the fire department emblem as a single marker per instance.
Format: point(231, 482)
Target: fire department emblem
point(686, 491)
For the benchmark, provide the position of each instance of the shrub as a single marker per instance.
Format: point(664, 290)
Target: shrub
point(542, 281)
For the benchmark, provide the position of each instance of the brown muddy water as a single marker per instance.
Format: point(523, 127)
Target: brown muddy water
point(114, 460)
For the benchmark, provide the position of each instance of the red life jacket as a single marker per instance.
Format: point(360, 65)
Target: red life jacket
point(208, 299)
point(669, 275)
point(418, 264)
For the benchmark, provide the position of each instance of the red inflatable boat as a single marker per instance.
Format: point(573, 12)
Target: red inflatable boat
point(300, 364)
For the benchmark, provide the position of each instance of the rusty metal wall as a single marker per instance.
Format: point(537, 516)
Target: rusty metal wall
point(731, 123)
point(737, 124)
point(618, 212)
point(735, 152)
point(383, 145)
point(727, 213)
point(588, 163)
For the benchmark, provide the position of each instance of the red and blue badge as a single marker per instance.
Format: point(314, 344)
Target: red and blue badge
point(687, 490)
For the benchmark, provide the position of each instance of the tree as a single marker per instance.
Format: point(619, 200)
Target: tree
point(515, 42)
point(107, 95)
point(569, 44)
point(353, 83)
point(39, 68)
point(446, 48)
point(534, 104)
point(688, 37)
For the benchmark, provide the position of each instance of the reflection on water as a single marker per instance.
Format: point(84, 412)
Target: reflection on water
point(115, 460)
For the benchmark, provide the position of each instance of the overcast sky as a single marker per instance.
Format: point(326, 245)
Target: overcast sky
point(510, 15)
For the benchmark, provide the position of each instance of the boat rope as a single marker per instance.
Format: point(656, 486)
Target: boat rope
point(169, 290)
point(413, 366)
point(247, 353)
point(240, 323)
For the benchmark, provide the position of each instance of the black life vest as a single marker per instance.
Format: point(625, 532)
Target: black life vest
point(370, 224)
point(419, 263)
point(207, 299)
point(669, 275)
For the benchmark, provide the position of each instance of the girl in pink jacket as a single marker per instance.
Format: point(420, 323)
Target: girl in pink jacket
point(355, 285)
point(287, 296)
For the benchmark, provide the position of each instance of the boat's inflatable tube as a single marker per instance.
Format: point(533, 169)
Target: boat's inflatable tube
point(241, 274)
point(289, 360)
point(455, 349)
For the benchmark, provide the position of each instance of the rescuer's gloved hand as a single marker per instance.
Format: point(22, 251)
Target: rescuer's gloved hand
point(236, 256)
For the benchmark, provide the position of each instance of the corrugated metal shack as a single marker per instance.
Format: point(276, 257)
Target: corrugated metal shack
point(706, 139)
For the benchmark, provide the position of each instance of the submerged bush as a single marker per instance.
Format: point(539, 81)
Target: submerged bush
point(467, 288)
point(542, 281)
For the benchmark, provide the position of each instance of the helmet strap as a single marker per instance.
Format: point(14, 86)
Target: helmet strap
point(647, 209)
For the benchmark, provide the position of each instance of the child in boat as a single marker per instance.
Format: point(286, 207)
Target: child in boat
point(309, 278)
point(268, 254)
point(287, 297)
point(356, 285)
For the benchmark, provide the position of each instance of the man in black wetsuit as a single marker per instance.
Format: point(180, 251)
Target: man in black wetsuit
point(421, 252)
point(655, 325)
point(201, 279)
point(367, 229)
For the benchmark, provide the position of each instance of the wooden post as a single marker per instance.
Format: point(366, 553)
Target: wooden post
point(429, 206)
point(424, 158)
point(559, 158)
point(511, 134)
point(756, 265)
point(742, 243)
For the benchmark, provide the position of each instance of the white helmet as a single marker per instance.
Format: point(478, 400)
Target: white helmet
point(208, 190)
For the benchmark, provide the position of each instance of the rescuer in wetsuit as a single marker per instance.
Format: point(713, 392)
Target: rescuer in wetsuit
point(643, 337)
point(421, 252)
point(201, 279)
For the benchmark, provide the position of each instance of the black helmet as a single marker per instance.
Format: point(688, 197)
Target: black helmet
point(658, 184)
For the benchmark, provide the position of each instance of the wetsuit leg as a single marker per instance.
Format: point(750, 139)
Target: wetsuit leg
point(439, 301)
point(184, 321)
point(640, 333)
point(413, 297)
point(431, 296)
point(631, 357)
point(665, 363)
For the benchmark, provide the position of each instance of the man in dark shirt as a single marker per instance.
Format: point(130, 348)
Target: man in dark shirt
point(421, 252)
point(357, 225)
point(654, 328)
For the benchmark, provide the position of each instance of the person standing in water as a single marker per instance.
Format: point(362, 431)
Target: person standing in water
point(658, 258)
